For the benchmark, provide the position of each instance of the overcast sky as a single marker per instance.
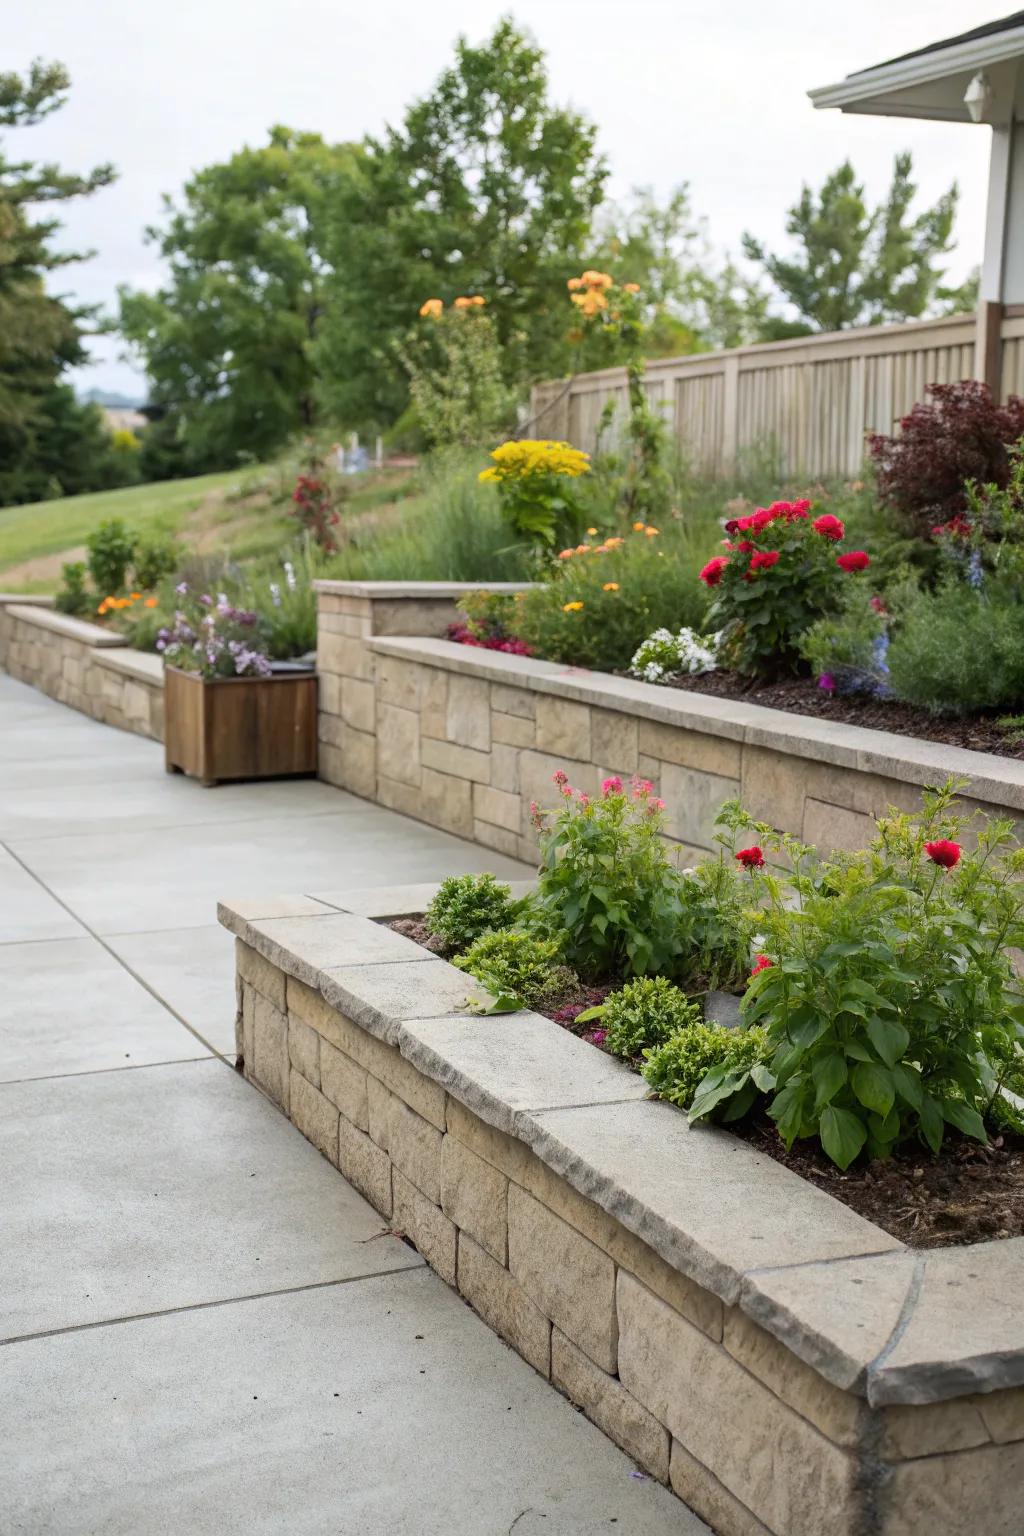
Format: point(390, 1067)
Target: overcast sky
point(712, 92)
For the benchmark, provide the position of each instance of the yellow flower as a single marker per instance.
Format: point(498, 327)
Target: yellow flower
point(478, 300)
point(571, 607)
point(591, 301)
point(431, 309)
point(591, 530)
point(631, 287)
point(519, 597)
point(610, 586)
point(522, 457)
point(489, 474)
point(463, 303)
point(639, 527)
point(652, 533)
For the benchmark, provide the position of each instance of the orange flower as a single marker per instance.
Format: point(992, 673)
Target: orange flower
point(597, 279)
point(566, 554)
point(150, 602)
point(478, 300)
point(610, 586)
point(590, 302)
point(652, 533)
point(631, 287)
point(136, 597)
point(571, 607)
point(613, 543)
point(639, 527)
point(431, 309)
point(591, 530)
point(574, 284)
point(463, 303)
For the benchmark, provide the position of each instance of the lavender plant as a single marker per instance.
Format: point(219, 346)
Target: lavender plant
point(212, 638)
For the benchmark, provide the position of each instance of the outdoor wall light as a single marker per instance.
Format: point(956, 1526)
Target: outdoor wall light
point(978, 98)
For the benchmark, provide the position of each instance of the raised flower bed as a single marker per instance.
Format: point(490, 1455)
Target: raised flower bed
point(786, 1365)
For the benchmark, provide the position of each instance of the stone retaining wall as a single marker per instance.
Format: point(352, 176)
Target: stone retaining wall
point(89, 668)
point(466, 738)
point(785, 1366)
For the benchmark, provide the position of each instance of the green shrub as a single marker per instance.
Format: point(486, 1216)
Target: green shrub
point(536, 487)
point(643, 1015)
point(454, 362)
point(607, 596)
point(844, 645)
point(890, 997)
point(960, 651)
point(110, 547)
point(520, 969)
point(677, 1069)
point(282, 594)
point(605, 880)
point(154, 558)
point(717, 921)
point(73, 597)
point(468, 906)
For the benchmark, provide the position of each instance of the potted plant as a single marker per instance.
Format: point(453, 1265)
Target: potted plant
point(230, 712)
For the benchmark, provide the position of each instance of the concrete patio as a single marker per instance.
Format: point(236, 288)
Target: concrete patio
point(205, 1328)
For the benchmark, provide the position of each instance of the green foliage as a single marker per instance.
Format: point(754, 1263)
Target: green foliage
point(485, 187)
point(154, 556)
point(73, 597)
point(624, 592)
point(536, 480)
point(717, 924)
point(110, 549)
point(844, 644)
point(960, 651)
point(282, 594)
point(468, 906)
point(48, 441)
point(245, 300)
point(857, 266)
point(605, 883)
point(520, 970)
point(643, 1015)
point(458, 393)
point(678, 1069)
point(782, 573)
point(892, 996)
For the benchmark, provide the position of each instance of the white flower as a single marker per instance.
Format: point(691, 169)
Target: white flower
point(289, 575)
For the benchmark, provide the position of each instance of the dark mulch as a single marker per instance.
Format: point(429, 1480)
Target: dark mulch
point(968, 1194)
point(802, 696)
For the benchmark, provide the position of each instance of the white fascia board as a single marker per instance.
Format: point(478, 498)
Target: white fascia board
point(866, 92)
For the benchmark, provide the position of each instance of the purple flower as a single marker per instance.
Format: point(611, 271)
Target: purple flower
point(827, 683)
point(181, 588)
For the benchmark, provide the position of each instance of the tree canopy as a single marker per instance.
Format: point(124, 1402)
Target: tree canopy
point(854, 265)
point(40, 335)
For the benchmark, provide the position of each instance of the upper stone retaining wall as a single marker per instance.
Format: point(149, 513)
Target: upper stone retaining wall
point(465, 738)
point(82, 665)
point(788, 1367)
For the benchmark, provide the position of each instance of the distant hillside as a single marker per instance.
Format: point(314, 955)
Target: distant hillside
point(106, 398)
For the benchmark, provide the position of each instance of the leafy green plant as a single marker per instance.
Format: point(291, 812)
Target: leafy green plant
point(605, 880)
point(888, 992)
point(781, 573)
point(520, 970)
point(641, 1015)
point(73, 597)
point(154, 558)
point(717, 919)
point(959, 651)
point(535, 480)
point(110, 548)
point(844, 646)
point(678, 1068)
point(468, 906)
point(454, 363)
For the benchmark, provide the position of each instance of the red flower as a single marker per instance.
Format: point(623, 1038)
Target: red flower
point(764, 560)
point(958, 527)
point(732, 526)
point(711, 575)
point(943, 852)
point(751, 858)
point(856, 560)
point(763, 963)
point(829, 527)
point(744, 546)
point(799, 509)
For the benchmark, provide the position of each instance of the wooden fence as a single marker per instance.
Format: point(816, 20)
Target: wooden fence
point(811, 400)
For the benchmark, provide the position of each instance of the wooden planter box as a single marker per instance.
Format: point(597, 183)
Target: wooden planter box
point(239, 727)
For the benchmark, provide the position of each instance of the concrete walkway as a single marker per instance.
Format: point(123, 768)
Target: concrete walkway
point(203, 1328)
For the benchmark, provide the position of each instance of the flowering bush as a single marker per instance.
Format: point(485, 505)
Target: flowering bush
point(959, 434)
point(847, 651)
point(313, 506)
point(665, 654)
point(212, 638)
point(888, 993)
point(605, 880)
point(489, 623)
point(781, 573)
point(534, 479)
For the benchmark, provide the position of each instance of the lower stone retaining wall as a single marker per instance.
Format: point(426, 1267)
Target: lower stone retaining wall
point(465, 738)
point(79, 664)
point(678, 1372)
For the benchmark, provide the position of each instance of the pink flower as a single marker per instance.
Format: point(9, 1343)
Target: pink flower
point(751, 858)
point(583, 798)
point(856, 560)
point(612, 786)
point(641, 787)
point(560, 777)
point(763, 963)
point(654, 806)
point(943, 852)
point(829, 527)
point(764, 560)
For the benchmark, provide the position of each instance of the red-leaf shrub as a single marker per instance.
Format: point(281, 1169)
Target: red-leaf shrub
point(960, 433)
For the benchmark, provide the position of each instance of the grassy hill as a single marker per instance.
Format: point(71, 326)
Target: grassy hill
point(231, 511)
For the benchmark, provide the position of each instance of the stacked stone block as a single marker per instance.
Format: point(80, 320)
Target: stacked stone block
point(695, 1391)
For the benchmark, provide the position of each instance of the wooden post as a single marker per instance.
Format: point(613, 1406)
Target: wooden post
point(988, 346)
point(731, 412)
